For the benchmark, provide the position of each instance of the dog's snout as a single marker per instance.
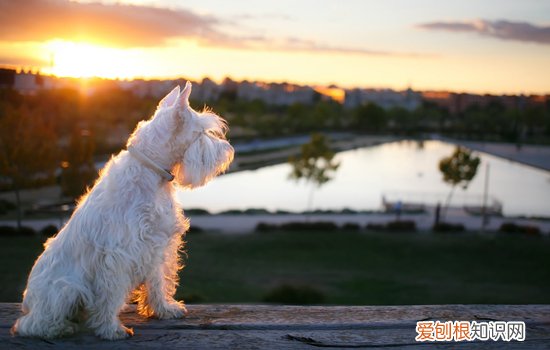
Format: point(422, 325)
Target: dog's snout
point(228, 147)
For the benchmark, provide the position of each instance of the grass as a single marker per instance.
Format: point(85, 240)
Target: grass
point(359, 268)
point(348, 268)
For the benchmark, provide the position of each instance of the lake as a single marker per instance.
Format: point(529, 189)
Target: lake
point(406, 170)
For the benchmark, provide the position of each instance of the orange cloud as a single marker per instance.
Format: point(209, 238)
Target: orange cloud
point(127, 26)
point(117, 25)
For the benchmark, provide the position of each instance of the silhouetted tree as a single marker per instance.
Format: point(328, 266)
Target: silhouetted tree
point(370, 118)
point(28, 152)
point(458, 170)
point(78, 170)
point(315, 164)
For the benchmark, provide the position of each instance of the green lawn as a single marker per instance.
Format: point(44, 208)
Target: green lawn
point(345, 267)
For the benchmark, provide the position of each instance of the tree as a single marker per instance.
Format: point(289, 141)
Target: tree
point(78, 170)
point(28, 151)
point(315, 164)
point(458, 169)
point(370, 118)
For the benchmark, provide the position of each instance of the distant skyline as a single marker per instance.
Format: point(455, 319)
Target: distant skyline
point(479, 46)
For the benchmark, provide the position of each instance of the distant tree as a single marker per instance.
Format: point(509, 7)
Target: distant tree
point(370, 118)
point(315, 164)
point(78, 170)
point(402, 120)
point(458, 170)
point(295, 116)
point(28, 152)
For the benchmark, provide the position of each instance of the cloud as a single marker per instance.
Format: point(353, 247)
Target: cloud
point(124, 25)
point(264, 16)
point(20, 61)
point(501, 29)
point(298, 44)
point(120, 25)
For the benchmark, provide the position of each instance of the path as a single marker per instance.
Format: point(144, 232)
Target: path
point(244, 223)
point(533, 155)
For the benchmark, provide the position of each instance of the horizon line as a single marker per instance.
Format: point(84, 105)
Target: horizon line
point(39, 71)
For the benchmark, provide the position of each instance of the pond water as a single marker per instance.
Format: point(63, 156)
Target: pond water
point(406, 171)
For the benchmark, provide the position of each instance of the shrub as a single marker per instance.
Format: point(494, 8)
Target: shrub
point(349, 211)
point(448, 227)
point(297, 226)
point(401, 225)
point(6, 231)
point(26, 231)
point(196, 212)
point(294, 295)
point(511, 227)
point(265, 227)
point(194, 230)
point(351, 226)
point(371, 226)
point(309, 226)
point(256, 211)
point(6, 206)
point(193, 298)
point(9, 231)
point(48, 231)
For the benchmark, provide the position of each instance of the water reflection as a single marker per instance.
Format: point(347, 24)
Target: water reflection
point(400, 169)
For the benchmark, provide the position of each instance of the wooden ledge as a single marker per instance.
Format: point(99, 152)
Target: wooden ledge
point(296, 327)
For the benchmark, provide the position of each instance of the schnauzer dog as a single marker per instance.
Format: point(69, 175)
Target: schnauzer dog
point(123, 240)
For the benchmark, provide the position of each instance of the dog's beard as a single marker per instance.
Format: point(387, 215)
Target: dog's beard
point(203, 160)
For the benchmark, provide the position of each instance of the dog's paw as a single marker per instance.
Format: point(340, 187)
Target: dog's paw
point(117, 333)
point(171, 311)
point(69, 329)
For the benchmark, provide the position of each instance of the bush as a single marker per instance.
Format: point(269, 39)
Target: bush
point(49, 231)
point(401, 225)
point(294, 295)
point(351, 226)
point(194, 230)
point(196, 212)
point(510, 227)
point(265, 227)
point(193, 298)
point(256, 211)
point(309, 226)
point(349, 211)
point(26, 231)
point(297, 226)
point(371, 226)
point(9, 231)
point(448, 227)
point(231, 212)
point(6, 206)
point(393, 226)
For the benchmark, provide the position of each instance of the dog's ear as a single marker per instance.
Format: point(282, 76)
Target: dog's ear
point(183, 99)
point(171, 98)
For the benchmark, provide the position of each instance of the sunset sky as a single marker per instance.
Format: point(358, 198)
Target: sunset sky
point(495, 46)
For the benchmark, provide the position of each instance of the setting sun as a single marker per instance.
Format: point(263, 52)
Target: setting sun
point(83, 60)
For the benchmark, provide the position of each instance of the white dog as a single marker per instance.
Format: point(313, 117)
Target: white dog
point(124, 237)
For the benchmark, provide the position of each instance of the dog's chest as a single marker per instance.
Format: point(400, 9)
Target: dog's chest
point(165, 215)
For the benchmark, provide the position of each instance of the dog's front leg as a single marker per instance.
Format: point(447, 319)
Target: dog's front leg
point(103, 310)
point(159, 302)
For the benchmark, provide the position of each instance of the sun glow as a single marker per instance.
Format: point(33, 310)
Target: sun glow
point(83, 60)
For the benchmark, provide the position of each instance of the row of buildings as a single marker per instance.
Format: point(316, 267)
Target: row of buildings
point(283, 94)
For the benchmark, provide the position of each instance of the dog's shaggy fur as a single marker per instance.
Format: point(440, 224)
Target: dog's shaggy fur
point(123, 240)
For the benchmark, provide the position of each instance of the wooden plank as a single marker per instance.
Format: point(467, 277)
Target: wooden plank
point(296, 327)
